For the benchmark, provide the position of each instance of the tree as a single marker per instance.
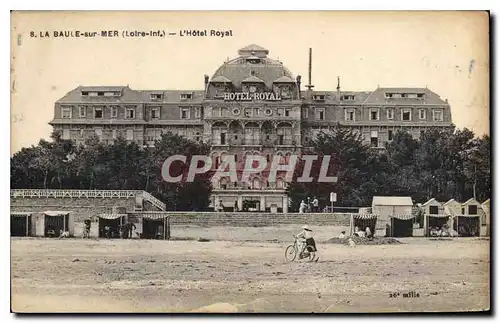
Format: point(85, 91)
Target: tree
point(351, 161)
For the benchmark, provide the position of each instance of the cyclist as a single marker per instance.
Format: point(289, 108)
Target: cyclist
point(307, 234)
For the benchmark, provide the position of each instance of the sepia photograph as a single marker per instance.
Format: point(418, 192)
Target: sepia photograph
point(250, 162)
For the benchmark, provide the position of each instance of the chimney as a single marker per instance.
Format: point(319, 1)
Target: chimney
point(298, 86)
point(206, 81)
point(338, 88)
point(309, 86)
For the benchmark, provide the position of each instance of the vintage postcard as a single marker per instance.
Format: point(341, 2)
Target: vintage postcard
point(250, 162)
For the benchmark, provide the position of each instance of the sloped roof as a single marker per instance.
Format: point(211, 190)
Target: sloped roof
point(471, 200)
point(252, 79)
point(378, 97)
point(332, 96)
point(102, 88)
point(451, 201)
point(392, 200)
point(267, 70)
point(252, 48)
point(432, 200)
point(220, 79)
point(486, 202)
point(284, 79)
point(131, 96)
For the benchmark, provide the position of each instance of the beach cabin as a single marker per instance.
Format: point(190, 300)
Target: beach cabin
point(155, 225)
point(486, 219)
point(434, 216)
point(468, 222)
point(452, 207)
point(113, 221)
point(21, 224)
point(52, 223)
point(395, 215)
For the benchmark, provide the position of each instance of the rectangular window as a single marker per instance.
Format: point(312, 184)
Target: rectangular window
point(83, 111)
point(130, 113)
point(155, 113)
point(319, 97)
point(65, 134)
point(222, 138)
point(248, 112)
point(374, 142)
point(85, 93)
point(388, 95)
point(433, 209)
point(114, 134)
point(347, 98)
point(130, 134)
point(390, 135)
point(350, 115)
point(437, 115)
point(472, 209)
point(100, 93)
point(422, 114)
point(374, 114)
point(114, 112)
point(66, 112)
point(406, 115)
point(184, 113)
point(287, 112)
point(197, 112)
point(390, 114)
point(98, 132)
point(320, 114)
point(156, 96)
point(185, 96)
point(305, 113)
point(98, 113)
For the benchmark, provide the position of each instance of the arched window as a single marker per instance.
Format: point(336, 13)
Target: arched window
point(256, 184)
point(223, 183)
point(280, 184)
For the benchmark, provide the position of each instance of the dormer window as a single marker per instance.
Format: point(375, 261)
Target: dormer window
point(85, 93)
point(388, 95)
point(156, 96)
point(100, 93)
point(347, 98)
point(319, 97)
point(186, 96)
point(253, 59)
point(420, 95)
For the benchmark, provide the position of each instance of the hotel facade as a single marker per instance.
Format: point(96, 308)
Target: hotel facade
point(251, 105)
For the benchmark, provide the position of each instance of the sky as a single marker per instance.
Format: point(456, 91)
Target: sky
point(446, 51)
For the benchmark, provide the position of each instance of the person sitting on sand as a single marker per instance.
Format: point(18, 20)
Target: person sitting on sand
point(433, 232)
point(368, 232)
point(63, 234)
point(359, 233)
point(342, 235)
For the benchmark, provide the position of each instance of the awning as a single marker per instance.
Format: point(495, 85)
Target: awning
point(155, 216)
point(56, 213)
point(402, 216)
point(110, 216)
point(467, 215)
point(20, 214)
point(365, 216)
point(442, 215)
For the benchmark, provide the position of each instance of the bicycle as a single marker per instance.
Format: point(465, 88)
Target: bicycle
point(292, 251)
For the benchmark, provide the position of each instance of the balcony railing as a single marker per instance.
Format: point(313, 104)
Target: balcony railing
point(41, 193)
